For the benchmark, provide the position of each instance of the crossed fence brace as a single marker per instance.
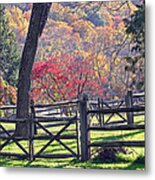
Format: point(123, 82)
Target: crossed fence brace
point(14, 139)
point(85, 129)
point(105, 105)
point(30, 153)
point(56, 137)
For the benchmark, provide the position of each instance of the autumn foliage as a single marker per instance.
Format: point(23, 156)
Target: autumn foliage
point(7, 93)
point(83, 49)
point(64, 77)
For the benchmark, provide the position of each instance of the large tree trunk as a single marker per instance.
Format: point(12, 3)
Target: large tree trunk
point(37, 22)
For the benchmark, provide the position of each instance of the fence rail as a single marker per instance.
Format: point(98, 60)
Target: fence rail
point(123, 106)
point(80, 113)
point(39, 121)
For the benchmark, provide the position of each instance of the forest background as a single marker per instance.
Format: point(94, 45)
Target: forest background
point(95, 48)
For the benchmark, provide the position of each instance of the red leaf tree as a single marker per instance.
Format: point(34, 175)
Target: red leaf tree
point(64, 78)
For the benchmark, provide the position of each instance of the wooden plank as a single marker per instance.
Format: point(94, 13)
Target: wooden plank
point(52, 119)
point(33, 115)
point(139, 114)
point(99, 115)
point(95, 102)
point(85, 153)
point(49, 114)
point(41, 137)
point(116, 122)
point(129, 104)
point(66, 137)
point(54, 156)
point(7, 107)
point(118, 144)
point(41, 110)
point(13, 155)
point(118, 127)
point(31, 139)
point(55, 124)
point(17, 138)
point(102, 106)
point(11, 120)
point(119, 110)
point(61, 103)
point(139, 95)
point(77, 137)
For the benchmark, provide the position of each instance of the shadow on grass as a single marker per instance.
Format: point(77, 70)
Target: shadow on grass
point(140, 160)
point(137, 164)
point(112, 137)
point(11, 161)
point(4, 162)
point(55, 163)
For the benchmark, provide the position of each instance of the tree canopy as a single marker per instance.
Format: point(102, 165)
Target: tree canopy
point(106, 33)
point(9, 56)
point(135, 26)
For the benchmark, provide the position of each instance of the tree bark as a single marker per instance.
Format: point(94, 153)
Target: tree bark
point(37, 23)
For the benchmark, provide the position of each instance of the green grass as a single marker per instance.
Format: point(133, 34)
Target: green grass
point(133, 160)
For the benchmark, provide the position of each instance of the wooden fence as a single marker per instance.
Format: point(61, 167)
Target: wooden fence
point(136, 100)
point(43, 117)
point(128, 124)
point(64, 114)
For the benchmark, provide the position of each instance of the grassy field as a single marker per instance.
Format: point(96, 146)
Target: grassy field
point(133, 159)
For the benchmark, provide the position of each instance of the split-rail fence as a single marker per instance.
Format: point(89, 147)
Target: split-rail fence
point(78, 115)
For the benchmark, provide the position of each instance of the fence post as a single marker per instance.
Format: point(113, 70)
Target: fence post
point(31, 139)
point(78, 137)
point(33, 114)
point(32, 131)
point(102, 113)
point(85, 154)
point(129, 104)
point(99, 115)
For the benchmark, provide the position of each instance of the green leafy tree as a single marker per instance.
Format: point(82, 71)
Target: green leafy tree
point(135, 26)
point(9, 52)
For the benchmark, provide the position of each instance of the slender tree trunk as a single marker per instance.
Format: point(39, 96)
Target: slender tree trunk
point(37, 22)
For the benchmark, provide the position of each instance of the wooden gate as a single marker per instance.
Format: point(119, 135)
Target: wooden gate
point(57, 122)
point(7, 137)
